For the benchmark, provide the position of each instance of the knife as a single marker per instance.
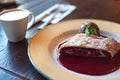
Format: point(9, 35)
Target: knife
point(45, 14)
point(52, 16)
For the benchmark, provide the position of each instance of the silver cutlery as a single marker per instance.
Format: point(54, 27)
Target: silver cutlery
point(53, 15)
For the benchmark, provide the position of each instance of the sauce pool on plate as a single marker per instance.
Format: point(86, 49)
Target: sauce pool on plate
point(90, 66)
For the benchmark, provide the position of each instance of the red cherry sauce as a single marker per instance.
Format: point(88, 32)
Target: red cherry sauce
point(90, 66)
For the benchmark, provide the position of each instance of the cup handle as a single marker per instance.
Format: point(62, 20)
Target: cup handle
point(31, 22)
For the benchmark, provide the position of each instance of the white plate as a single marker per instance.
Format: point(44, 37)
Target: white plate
point(42, 45)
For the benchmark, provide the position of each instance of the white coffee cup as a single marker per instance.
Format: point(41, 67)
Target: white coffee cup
point(15, 23)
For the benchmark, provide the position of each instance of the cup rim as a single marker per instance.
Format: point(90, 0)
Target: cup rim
point(14, 9)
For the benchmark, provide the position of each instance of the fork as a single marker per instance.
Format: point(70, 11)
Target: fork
point(60, 9)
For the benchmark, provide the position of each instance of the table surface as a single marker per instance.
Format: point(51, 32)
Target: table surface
point(14, 61)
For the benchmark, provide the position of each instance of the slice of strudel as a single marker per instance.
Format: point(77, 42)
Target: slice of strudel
point(90, 46)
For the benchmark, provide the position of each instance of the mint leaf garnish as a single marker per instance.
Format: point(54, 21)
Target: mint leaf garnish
point(89, 31)
point(93, 31)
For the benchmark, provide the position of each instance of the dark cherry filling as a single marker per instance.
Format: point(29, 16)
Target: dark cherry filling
point(73, 58)
point(87, 52)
